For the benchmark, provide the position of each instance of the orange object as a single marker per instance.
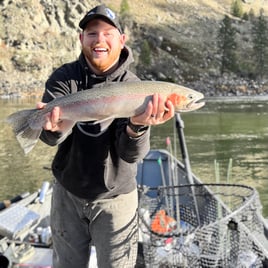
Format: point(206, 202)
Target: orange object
point(162, 223)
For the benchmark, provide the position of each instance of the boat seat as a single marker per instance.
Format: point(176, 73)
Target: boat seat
point(15, 220)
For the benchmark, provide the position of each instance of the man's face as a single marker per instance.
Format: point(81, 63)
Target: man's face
point(101, 44)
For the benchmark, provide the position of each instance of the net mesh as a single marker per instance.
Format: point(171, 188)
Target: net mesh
point(201, 225)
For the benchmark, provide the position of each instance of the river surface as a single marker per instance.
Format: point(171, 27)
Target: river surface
point(232, 133)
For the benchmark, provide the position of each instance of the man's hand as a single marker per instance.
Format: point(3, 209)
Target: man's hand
point(157, 112)
point(53, 121)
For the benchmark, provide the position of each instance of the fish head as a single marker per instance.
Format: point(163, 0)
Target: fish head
point(186, 101)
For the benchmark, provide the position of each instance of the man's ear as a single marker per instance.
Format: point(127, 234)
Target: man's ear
point(123, 40)
point(81, 36)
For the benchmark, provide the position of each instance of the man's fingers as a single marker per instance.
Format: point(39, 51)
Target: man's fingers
point(169, 109)
point(52, 118)
point(155, 102)
point(157, 112)
point(40, 105)
point(149, 110)
point(48, 125)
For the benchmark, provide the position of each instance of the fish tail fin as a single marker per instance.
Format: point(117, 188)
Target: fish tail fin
point(26, 136)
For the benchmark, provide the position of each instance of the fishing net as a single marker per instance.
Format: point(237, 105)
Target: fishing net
point(202, 225)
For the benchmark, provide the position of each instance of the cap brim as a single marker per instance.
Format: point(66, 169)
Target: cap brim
point(83, 23)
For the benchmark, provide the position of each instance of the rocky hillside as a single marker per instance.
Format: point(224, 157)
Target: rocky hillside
point(37, 36)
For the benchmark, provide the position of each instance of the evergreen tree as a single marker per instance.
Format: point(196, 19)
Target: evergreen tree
point(260, 43)
point(145, 55)
point(245, 16)
point(236, 8)
point(227, 46)
point(124, 8)
point(125, 16)
point(251, 14)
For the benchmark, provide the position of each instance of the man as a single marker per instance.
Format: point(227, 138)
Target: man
point(94, 196)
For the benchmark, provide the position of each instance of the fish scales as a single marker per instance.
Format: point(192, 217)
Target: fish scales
point(116, 100)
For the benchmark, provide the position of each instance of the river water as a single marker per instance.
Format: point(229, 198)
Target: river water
point(230, 132)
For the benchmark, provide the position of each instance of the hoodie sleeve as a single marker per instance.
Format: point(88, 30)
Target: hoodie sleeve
point(134, 149)
point(131, 149)
point(55, 87)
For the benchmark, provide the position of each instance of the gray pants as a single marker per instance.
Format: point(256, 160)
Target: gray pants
point(109, 224)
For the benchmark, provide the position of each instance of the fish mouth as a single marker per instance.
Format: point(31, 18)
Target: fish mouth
point(195, 104)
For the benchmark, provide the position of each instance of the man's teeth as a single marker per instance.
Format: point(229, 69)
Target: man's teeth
point(100, 49)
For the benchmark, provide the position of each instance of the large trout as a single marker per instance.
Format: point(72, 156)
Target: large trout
point(102, 104)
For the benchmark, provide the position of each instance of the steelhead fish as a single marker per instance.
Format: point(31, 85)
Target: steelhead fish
point(103, 104)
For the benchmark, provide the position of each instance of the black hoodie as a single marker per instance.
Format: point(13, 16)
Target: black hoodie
point(92, 164)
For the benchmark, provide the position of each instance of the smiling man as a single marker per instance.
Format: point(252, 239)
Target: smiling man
point(101, 41)
point(95, 193)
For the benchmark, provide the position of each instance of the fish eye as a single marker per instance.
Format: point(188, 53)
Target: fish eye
point(190, 96)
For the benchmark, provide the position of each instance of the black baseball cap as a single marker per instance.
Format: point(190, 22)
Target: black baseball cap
point(103, 12)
